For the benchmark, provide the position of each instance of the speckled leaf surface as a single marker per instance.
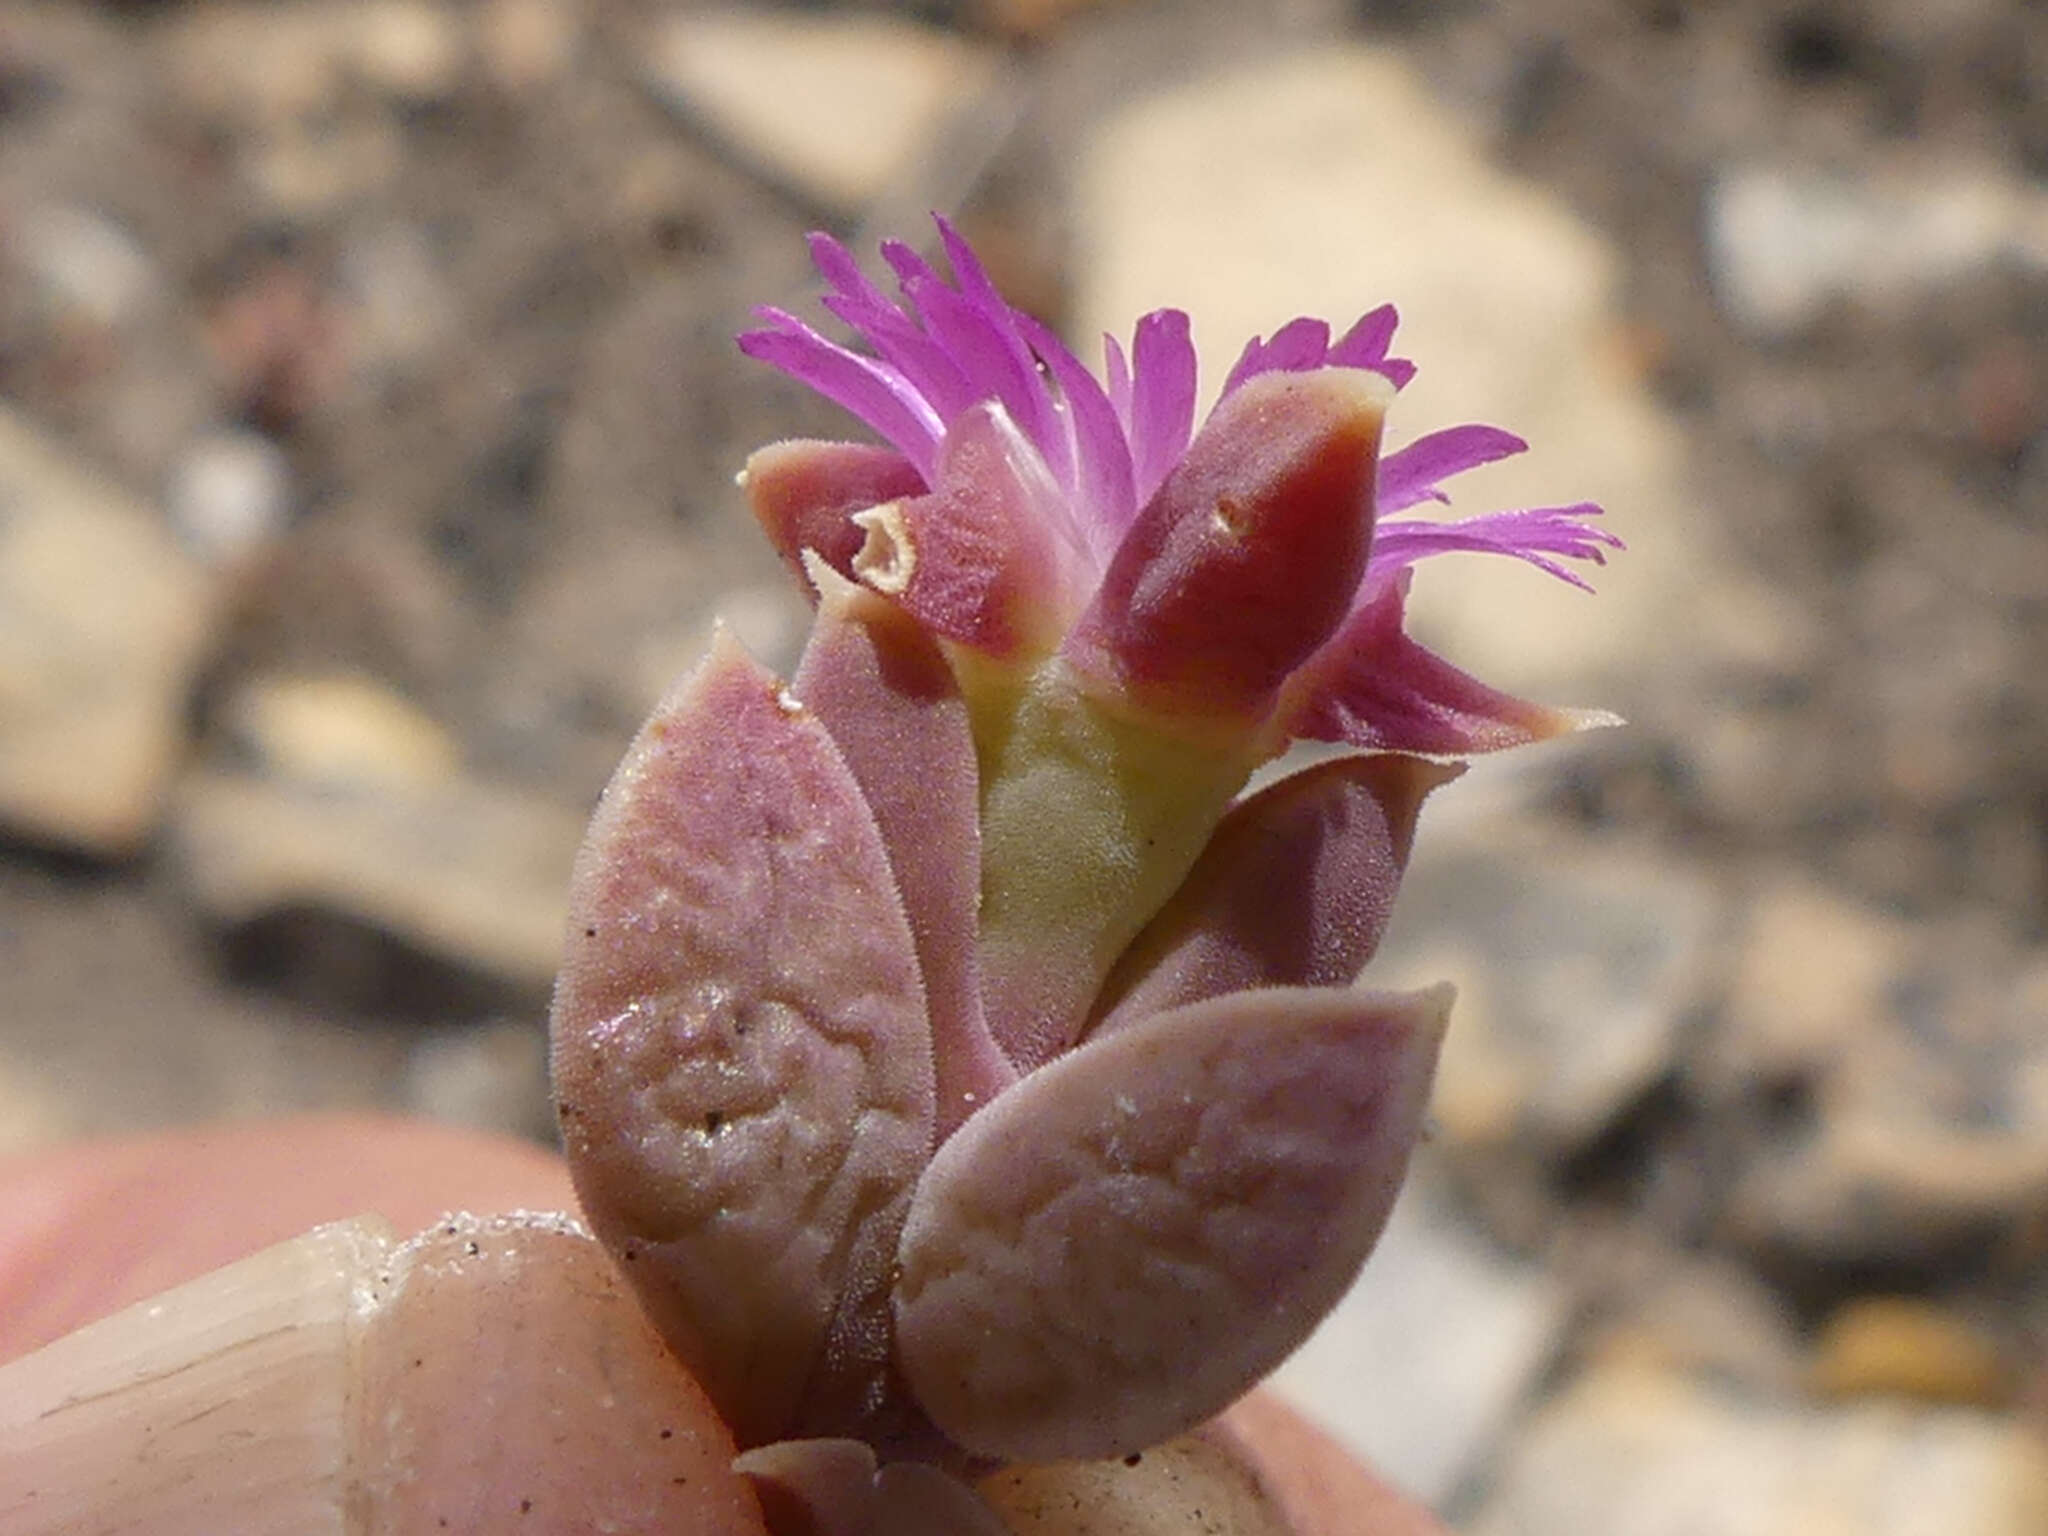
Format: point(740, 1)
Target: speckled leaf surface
point(742, 1064)
point(1136, 1233)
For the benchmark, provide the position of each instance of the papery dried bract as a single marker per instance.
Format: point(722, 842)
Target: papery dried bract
point(1137, 1233)
point(741, 1055)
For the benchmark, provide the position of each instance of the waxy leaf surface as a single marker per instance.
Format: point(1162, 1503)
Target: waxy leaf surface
point(741, 1057)
point(1132, 1236)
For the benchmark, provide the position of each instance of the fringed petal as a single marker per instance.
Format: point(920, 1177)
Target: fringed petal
point(1161, 416)
point(1102, 487)
point(1412, 474)
point(1542, 536)
point(873, 391)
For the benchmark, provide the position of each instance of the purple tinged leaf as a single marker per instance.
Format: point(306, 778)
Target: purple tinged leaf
point(988, 558)
point(1138, 1232)
point(813, 1487)
point(884, 691)
point(1412, 474)
point(836, 1488)
point(1374, 688)
point(1294, 889)
point(741, 1059)
point(1248, 557)
point(805, 495)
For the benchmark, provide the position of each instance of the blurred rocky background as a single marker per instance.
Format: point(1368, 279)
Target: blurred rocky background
point(368, 416)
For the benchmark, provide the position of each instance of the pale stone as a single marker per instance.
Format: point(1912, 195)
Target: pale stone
point(407, 49)
point(1906, 1347)
point(1654, 1454)
point(470, 872)
point(525, 43)
point(1912, 1072)
point(1809, 981)
point(229, 495)
point(1422, 1365)
point(104, 621)
point(1576, 968)
point(840, 106)
point(1783, 243)
point(1328, 183)
point(341, 732)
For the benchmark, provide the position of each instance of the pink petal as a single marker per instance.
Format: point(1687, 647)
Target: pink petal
point(1297, 346)
point(741, 1059)
point(805, 495)
point(1161, 416)
point(1542, 536)
point(1135, 1234)
point(1373, 687)
point(875, 392)
point(1294, 889)
point(1103, 498)
point(884, 691)
point(1365, 346)
point(1411, 474)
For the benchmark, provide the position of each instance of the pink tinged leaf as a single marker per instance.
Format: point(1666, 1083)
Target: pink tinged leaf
point(986, 559)
point(872, 390)
point(884, 691)
point(741, 1058)
point(806, 493)
point(813, 1487)
point(1375, 688)
point(1161, 415)
point(1248, 557)
point(1412, 474)
point(1138, 1232)
point(1294, 889)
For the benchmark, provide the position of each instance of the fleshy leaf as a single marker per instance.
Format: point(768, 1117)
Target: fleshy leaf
point(741, 1059)
point(805, 495)
point(989, 558)
point(1132, 1236)
point(1247, 558)
point(887, 696)
point(835, 1488)
point(1294, 889)
point(1375, 688)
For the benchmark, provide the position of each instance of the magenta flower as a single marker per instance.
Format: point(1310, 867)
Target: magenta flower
point(955, 1054)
